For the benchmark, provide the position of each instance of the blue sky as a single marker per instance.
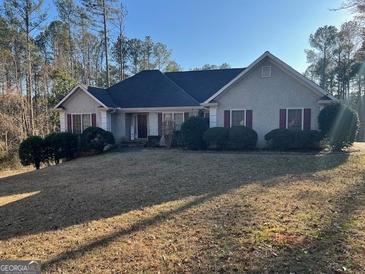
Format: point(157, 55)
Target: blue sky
point(234, 31)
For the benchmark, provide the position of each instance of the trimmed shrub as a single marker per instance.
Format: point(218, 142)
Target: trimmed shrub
point(31, 151)
point(153, 141)
point(216, 137)
point(192, 131)
point(286, 139)
point(307, 139)
point(177, 139)
point(241, 137)
point(280, 139)
point(61, 145)
point(339, 124)
point(95, 139)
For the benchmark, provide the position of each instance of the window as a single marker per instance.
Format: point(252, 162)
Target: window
point(76, 123)
point(173, 121)
point(266, 71)
point(238, 118)
point(178, 119)
point(295, 119)
point(80, 122)
point(86, 121)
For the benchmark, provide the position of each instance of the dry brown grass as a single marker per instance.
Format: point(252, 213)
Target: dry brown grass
point(175, 211)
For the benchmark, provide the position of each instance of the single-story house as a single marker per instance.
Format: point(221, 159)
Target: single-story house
point(266, 95)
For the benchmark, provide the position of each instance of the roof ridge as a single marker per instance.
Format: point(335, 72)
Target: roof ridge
point(174, 83)
point(202, 70)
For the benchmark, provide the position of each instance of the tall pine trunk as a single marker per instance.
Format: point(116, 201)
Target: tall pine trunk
point(106, 45)
point(29, 71)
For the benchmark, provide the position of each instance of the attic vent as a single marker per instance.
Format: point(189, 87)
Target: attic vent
point(266, 71)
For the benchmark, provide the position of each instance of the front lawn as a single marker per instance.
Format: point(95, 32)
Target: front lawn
point(175, 211)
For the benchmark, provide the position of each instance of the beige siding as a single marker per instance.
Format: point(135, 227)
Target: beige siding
point(80, 102)
point(266, 96)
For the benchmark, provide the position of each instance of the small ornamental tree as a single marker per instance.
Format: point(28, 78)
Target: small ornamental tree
point(339, 124)
point(31, 151)
point(192, 131)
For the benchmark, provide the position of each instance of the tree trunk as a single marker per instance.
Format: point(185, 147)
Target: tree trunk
point(29, 71)
point(73, 73)
point(106, 44)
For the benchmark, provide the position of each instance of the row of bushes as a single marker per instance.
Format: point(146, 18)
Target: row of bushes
point(286, 139)
point(236, 138)
point(195, 134)
point(64, 145)
point(338, 126)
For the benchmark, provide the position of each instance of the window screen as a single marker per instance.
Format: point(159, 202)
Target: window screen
point(294, 119)
point(86, 121)
point(178, 119)
point(238, 118)
point(76, 123)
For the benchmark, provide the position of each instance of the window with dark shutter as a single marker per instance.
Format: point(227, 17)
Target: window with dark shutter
point(307, 118)
point(282, 121)
point(227, 118)
point(69, 123)
point(249, 117)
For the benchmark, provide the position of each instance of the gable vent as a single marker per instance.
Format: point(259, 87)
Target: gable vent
point(266, 72)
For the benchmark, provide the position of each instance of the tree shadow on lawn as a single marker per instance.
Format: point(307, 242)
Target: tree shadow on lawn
point(108, 185)
point(329, 252)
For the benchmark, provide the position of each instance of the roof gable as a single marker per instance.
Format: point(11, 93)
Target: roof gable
point(284, 67)
point(83, 89)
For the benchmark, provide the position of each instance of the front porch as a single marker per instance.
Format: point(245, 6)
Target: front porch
point(139, 124)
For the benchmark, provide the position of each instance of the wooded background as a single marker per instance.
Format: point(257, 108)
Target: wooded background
point(41, 60)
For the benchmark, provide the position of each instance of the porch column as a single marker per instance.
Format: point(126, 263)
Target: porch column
point(103, 119)
point(152, 124)
point(62, 121)
point(212, 116)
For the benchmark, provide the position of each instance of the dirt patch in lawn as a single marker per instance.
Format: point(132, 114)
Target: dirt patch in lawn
point(176, 211)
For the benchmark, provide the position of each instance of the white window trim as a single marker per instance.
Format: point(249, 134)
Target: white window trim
point(287, 115)
point(262, 72)
point(173, 115)
point(235, 109)
point(72, 120)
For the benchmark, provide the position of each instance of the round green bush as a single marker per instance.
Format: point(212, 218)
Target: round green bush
point(280, 139)
point(216, 137)
point(307, 139)
point(61, 145)
point(339, 124)
point(95, 139)
point(241, 137)
point(286, 139)
point(31, 151)
point(192, 131)
point(177, 139)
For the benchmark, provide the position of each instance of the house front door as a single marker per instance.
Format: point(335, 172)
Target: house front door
point(142, 125)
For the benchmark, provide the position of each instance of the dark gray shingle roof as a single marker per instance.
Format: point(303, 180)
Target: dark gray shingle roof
point(204, 83)
point(152, 88)
point(102, 95)
point(149, 88)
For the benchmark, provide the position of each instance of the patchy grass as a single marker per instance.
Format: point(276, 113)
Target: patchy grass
point(175, 211)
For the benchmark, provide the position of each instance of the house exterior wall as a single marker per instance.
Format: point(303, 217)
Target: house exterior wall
point(81, 103)
point(265, 97)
